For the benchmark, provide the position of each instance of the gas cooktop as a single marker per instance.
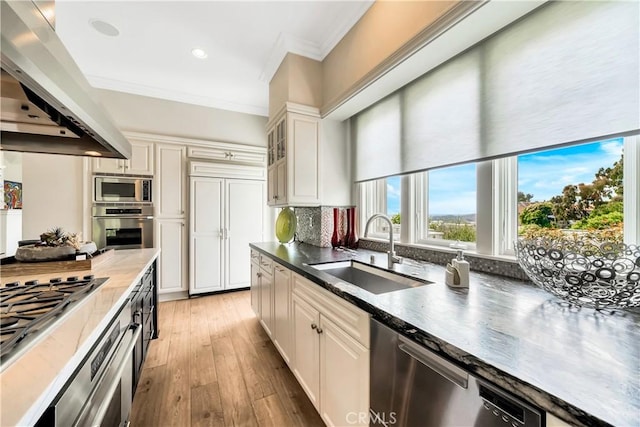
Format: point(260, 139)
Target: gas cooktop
point(26, 311)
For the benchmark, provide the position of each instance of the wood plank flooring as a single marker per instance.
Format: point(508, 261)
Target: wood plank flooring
point(213, 365)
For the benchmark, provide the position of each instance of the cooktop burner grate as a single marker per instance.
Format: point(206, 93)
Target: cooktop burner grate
point(27, 310)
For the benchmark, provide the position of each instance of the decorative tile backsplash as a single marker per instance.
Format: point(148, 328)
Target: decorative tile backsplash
point(315, 225)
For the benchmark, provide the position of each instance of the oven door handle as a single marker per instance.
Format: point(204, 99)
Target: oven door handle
point(113, 386)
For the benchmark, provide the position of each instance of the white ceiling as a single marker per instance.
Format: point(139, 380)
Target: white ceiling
point(245, 42)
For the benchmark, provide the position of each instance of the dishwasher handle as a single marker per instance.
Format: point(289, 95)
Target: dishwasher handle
point(436, 363)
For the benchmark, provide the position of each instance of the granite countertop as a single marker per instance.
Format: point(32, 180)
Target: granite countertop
point(579, 364)
point(31, 383)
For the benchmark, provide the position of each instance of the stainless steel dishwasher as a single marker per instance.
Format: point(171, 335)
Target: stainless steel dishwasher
point(412, 386)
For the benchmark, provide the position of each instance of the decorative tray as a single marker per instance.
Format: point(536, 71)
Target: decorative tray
point(11, 267)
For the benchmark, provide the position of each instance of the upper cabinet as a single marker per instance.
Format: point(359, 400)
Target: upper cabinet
point(140, 163)
point(294, 157)
point(170, 186)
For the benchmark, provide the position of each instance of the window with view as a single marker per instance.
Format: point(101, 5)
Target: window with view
point(447, 204)
point(572, 188)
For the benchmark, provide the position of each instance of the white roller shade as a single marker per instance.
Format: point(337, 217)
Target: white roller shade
point(567, 73)
point(377, 132)
point(441, 116)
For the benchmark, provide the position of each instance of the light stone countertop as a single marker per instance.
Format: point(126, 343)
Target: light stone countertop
point(31, 382)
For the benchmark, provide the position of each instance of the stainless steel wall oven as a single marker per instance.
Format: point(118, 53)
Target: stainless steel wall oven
point(123, 226)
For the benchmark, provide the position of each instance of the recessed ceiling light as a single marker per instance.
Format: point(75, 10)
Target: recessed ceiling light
point(198, 53)
point(104, 27)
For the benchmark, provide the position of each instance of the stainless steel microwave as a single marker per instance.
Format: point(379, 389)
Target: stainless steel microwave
point(118, 189)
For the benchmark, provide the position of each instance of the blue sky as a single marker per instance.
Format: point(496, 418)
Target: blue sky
point(452, 190)
point(545, 174)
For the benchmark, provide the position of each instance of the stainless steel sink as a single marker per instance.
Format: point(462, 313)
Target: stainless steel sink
point(369, 278)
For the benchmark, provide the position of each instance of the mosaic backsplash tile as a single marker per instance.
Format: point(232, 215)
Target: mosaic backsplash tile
point(315, 225)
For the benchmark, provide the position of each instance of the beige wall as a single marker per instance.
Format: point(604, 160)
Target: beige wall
point(298, 79)
point(383, 29)
point(151, 115)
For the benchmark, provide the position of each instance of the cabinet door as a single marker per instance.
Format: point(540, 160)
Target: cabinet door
point(272, 185)
point(243, 225)
point(281, 182)
point(344, 375)
point(141, 162)
point(282, 311)
point(303, 159)
point(169, 190)
point(170, 234)
point(205, 235)
point(255, 289)
point(108, 165)
point(306, 345)
point(266, 301)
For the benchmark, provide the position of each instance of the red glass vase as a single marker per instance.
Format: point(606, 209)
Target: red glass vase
point(335, 238)
point(352, 235)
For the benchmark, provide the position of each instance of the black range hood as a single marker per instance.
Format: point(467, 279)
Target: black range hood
point(46, 101)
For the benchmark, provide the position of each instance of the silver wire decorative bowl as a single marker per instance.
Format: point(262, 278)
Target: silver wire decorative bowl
point(600, 275)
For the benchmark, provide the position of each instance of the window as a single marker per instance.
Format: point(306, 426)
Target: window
point(573, 188)
point(446, 200)
point(484, 204)
point(381, 196)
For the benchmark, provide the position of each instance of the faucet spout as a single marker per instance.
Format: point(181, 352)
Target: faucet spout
point(391, 255)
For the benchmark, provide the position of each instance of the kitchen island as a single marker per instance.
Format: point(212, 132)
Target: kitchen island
point(29, 384)
point(581, 365)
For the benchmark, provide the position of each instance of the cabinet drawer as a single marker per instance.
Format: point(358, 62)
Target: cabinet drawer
point(255, 256)
point(266, 263)
point(350, 318)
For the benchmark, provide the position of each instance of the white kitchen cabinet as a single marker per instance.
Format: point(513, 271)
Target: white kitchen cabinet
point(266, 295)
point(234, 153)
point(307, 348)
point(10, 231)
point(333, 370)
point(140, 163)
point(293, 157)
point(226, 214)
point(255, 283)
point(171, 237)
point(344, 376)
point(282, 311)
point(170, 181)
point(206, 234)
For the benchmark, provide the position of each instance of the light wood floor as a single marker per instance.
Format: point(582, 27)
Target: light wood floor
point(213, 365)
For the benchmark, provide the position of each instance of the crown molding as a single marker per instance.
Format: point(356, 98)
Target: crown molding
point(187, 98)
point(343, 28)
point(287, 43)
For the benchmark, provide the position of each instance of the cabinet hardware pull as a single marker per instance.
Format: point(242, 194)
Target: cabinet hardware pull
point(259, 274)
point(319, 331)
point(314, 326)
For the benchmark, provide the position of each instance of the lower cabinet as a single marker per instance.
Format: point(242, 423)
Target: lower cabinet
point(344, 376)
point(255, 283)
point(266, 297)
point(282, 311)
point(323, 339)
point(172, 262)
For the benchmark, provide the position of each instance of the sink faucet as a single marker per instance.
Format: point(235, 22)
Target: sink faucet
point(391, 255)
